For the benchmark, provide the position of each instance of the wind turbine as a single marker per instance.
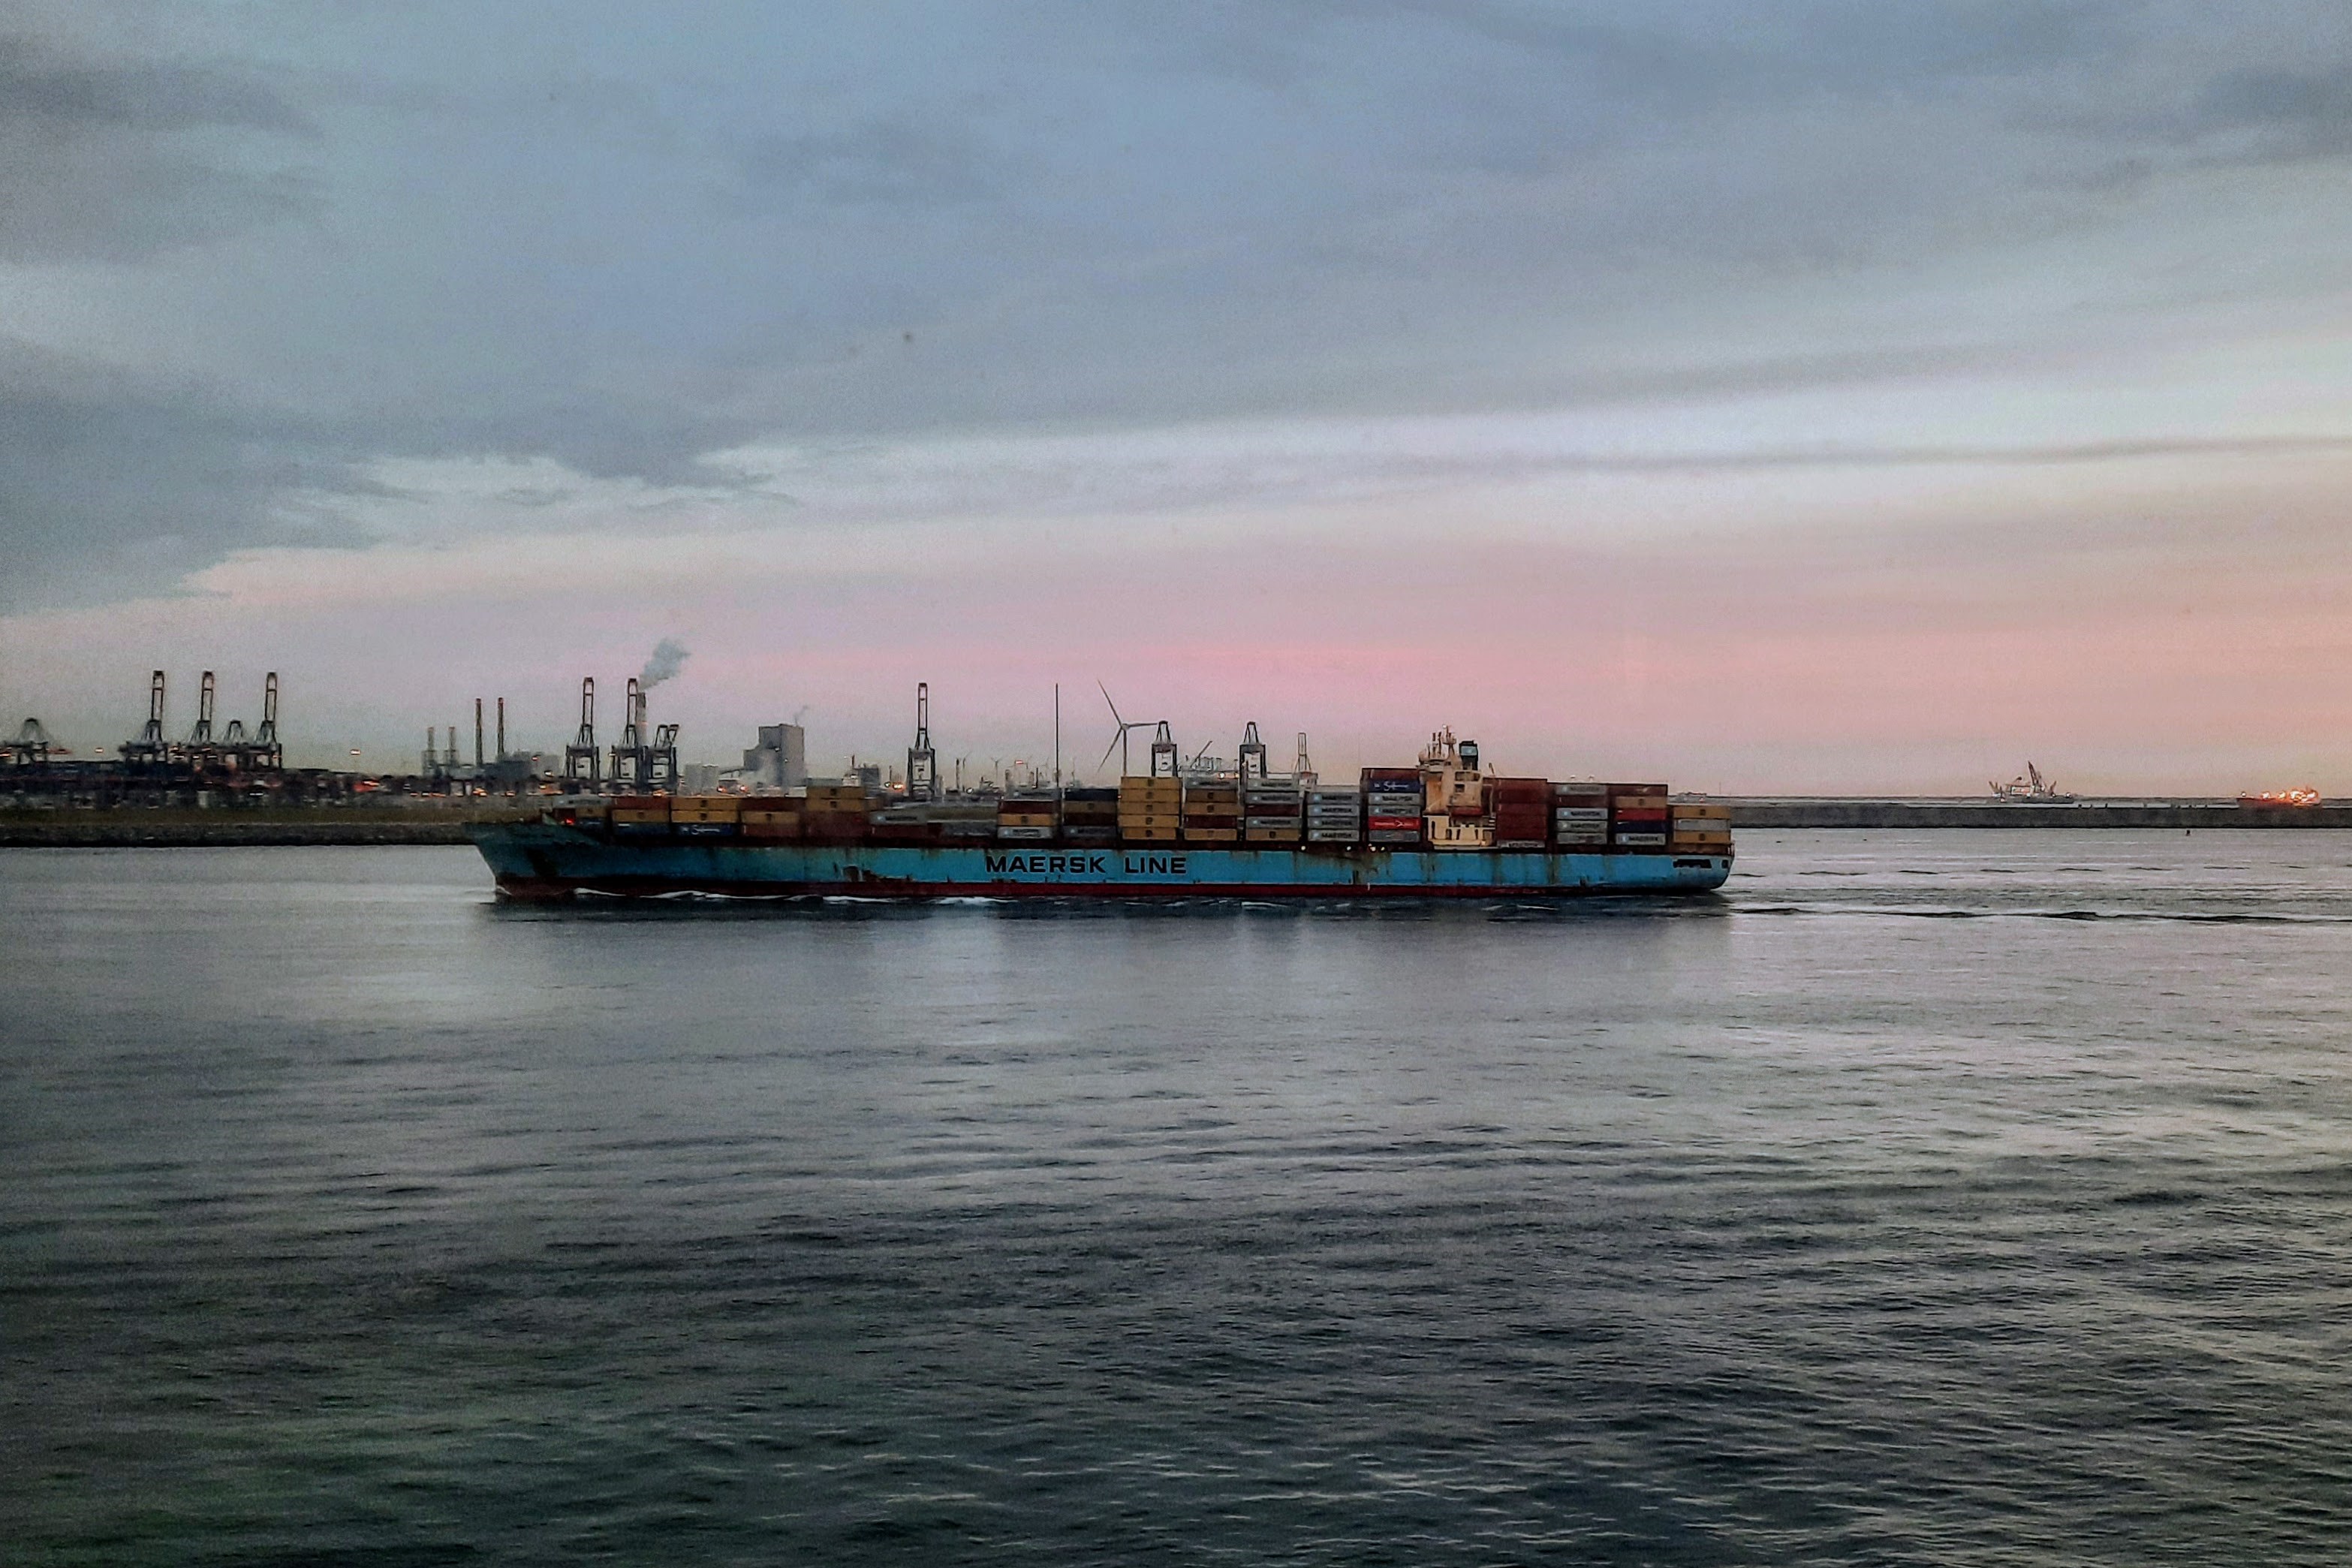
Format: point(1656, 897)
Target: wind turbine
point(1119, 742)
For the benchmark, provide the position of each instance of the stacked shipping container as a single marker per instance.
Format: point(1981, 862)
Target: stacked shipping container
point(1150, 810)
point(707, 816)
point(1393, 799)
point(1522, 812)
point(1579, 816)
point(1028, 819)
point(837, 814)
point(1637, 816)
point(1394, 810)
point(1212, 814)
point(640, 815)
point(775, 818)
point(1701, 830)
point(904, 825)
point(1090, 816)
point(1273, 812)
point(1334, 817)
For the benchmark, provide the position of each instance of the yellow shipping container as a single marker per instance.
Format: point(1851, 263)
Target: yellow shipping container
point(1211, 836)
point(1147, 835)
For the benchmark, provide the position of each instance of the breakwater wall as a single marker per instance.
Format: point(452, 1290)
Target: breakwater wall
point(132, 828)
point(1831, 812)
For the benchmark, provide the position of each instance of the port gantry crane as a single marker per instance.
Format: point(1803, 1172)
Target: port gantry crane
point(200, 738)
point(264, 748)
point(32, 747)
point(151, 749)
point(583, 765)
point(1249, 757)
point(922, 760)
point(646, 760)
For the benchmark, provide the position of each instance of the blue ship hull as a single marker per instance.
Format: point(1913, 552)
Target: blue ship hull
point(539, 861)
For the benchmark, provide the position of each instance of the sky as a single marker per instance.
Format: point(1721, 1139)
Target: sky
point(1811, 396)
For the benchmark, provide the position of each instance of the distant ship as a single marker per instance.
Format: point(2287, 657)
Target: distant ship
point(2030, 788)
point(2302, 795)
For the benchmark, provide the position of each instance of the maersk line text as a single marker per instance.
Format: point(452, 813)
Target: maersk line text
point(1042, 864)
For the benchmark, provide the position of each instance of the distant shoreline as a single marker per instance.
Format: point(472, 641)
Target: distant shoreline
point(1831, 812)
point(140, 829)
point(136, 827)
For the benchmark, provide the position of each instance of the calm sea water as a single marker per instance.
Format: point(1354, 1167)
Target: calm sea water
point(1930, 1198)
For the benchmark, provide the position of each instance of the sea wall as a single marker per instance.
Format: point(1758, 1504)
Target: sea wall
point(132, 828)
point(1837, 813)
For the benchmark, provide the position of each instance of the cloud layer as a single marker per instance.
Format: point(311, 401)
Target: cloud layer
point(341, 287)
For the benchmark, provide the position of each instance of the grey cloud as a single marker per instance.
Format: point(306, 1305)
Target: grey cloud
point(2276, 115)
point(88, 167)
point(110, 487)
point(63, 96)
point(874, 224)
point(891, 161)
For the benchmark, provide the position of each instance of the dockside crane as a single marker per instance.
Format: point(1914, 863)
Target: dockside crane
point(632, 760)
point(1249, 757)
point(200, 738)
point(151, 749)
point(661, 760)
point(32, 747)
point(266, 750)
point(922, 760)
point(583, 765)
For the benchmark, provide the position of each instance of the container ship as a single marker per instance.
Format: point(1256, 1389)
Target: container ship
point(1443, 828)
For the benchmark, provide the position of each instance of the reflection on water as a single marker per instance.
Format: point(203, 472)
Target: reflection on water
point(1951, 1197)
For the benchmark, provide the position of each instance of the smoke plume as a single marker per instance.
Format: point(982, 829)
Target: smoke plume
point(667, 660)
